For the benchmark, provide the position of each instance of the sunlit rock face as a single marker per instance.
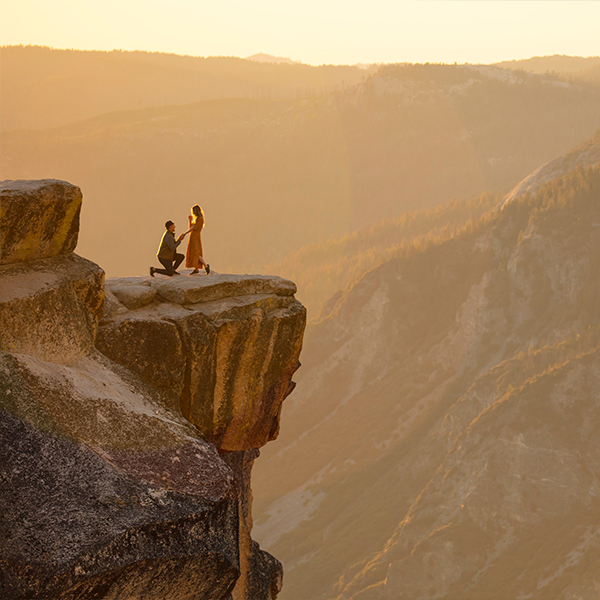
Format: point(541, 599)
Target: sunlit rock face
point(586, 155)
point(227, 344)
point(107, 491)
point(38, 219)
point(49, 308)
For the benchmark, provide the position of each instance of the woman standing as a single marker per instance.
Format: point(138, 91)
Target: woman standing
point(194, 258)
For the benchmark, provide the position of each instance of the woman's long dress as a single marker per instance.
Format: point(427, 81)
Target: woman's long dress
point(194, 249)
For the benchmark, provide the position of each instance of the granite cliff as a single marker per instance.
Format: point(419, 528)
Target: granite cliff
point(131, 415)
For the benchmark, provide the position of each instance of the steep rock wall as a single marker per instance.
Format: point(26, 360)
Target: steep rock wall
point(106, 489)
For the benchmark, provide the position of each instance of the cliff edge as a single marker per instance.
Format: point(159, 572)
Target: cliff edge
point(130, 416)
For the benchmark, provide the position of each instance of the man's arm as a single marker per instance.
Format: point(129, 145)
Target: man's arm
point(171, 243)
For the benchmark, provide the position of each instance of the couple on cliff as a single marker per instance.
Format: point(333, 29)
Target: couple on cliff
point(167, 255)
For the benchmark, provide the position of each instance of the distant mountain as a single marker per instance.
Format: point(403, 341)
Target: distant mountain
point(442, 438)
point(586, 155)
point(44, 87)
point(268, 58)
point(277, 175)
point(557, 63)
point(591, 74)
point(325, 268)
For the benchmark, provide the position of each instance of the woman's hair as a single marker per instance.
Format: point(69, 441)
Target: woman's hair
point(197, 211)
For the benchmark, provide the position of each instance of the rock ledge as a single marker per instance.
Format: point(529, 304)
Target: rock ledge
point(225, 347)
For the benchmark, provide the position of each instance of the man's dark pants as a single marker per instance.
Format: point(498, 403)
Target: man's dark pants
point(170, 266)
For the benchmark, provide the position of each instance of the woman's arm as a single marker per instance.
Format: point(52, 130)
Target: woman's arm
point(191, 224)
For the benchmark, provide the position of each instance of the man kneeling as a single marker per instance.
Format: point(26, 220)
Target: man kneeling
point(166, 255)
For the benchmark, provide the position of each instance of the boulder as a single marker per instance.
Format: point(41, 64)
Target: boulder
point(265, 575)
point(151, 348)
point(134, 296)
point(111, 305)
point(105, 492)
point(38, 219)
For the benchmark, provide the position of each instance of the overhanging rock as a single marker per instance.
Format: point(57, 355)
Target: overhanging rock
point(228, 345)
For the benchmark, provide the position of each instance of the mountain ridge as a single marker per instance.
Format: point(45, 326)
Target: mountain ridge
point(412, 136)
point(404, 363)
point(587, 154)
point(45, 87)
point(269, 58)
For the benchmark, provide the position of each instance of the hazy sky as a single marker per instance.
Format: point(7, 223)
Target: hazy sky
point(315, 32)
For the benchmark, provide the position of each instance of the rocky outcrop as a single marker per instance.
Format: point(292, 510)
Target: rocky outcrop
point(107, 490)
point(227, 345)
point(261, 573)
point(105, 493)
point(49, 308)
point(38, 219)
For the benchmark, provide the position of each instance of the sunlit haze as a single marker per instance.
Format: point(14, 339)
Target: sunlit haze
point(300, 300)
point(312, 32)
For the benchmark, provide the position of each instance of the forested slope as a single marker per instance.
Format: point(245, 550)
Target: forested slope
point(442, 442)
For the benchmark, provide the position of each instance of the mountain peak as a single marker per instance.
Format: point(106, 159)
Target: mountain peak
point(268, 58)
point(585, 155)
